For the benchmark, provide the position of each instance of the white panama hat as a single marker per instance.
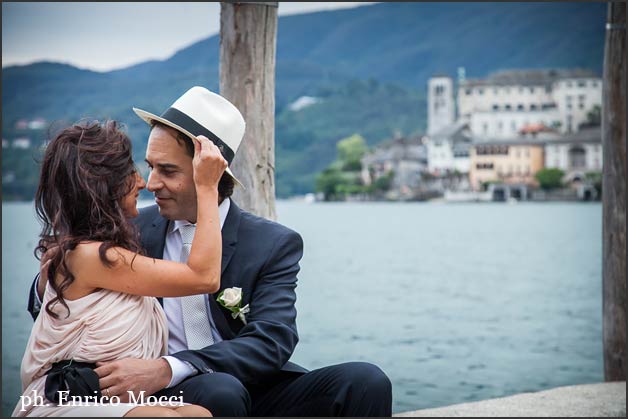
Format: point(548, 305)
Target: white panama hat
point(201, 112)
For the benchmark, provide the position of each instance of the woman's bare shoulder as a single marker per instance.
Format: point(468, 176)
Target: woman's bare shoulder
point(87, 253)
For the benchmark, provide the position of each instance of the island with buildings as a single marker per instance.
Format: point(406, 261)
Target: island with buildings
point(515, 135)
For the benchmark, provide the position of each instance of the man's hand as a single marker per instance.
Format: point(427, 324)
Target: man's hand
point(43, 279)
point(43, 270)
point(130, 374)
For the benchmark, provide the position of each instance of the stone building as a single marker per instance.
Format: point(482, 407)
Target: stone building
point(576, 154)
point(506, 102)
point(448, 149)
point(405, 158)
point(441, 106)
point(509, 162)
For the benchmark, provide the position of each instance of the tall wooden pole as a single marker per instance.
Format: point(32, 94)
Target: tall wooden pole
point(614, 194)
point(248, 37)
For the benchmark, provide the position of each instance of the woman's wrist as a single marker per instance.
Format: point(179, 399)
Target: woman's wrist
point(207, 190)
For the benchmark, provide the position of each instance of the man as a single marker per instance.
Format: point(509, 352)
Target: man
point(232, 365)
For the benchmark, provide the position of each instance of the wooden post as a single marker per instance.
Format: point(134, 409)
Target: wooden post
point(614, 194)
point(248, 36)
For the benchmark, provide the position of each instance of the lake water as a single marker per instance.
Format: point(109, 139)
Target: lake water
point(455, 303)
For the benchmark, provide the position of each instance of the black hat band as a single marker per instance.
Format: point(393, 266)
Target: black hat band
point(179, 118)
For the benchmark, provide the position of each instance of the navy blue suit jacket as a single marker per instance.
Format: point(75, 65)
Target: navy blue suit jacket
point(261, 257)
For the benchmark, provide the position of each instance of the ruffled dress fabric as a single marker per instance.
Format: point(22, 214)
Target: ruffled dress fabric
point(102, 326)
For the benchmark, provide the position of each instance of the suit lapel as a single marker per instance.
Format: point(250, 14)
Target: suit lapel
point(154, 240)
point(154, 237)
point(229, 242)
point(230, 235)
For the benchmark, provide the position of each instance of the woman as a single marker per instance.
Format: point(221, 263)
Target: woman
point(99, 305)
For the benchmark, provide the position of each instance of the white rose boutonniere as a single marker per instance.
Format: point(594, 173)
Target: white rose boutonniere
point(231, 299)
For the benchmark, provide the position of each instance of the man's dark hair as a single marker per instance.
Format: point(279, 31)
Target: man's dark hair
point(226, 184)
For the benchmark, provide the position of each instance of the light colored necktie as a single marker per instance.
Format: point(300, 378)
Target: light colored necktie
point(198, 332)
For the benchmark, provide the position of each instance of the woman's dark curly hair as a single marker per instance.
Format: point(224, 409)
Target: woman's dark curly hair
point(86, 171)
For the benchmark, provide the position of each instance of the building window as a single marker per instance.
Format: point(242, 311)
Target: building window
point(484, 166)
point(495, 107)
point(520, 107)
point(533, 107)
point(582, 83)
point(580, 105)
point(594, 83)
point(569, 106)
point(531, 89)
point(468, 92)
point(481, 91)
point(548, 89)
point(507, 107)
point(577, 158)
point(485, 127)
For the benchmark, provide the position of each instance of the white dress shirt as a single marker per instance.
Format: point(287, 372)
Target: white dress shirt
point(172, 305)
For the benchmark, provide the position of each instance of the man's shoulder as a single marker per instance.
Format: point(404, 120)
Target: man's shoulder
point(146, 215)
point(254, 224)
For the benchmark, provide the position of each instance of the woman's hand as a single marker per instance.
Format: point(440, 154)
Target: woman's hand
point(208, 163)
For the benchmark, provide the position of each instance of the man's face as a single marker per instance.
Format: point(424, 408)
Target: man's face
point(171, 177)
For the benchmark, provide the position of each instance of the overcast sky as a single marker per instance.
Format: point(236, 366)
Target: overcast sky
point(106, 36)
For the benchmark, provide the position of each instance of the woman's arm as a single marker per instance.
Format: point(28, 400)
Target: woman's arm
point(140, 275)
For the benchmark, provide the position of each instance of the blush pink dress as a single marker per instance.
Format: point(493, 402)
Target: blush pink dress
point(103, 326)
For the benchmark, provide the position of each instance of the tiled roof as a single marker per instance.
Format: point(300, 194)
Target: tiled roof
point(531, 77)
point(586, 135)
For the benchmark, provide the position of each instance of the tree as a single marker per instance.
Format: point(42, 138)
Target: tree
point(594, 116)
point(550, 178)
point(351, 149)
point(382, 183)
point(342, 177)
point(595, 179)
point(328, 182)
